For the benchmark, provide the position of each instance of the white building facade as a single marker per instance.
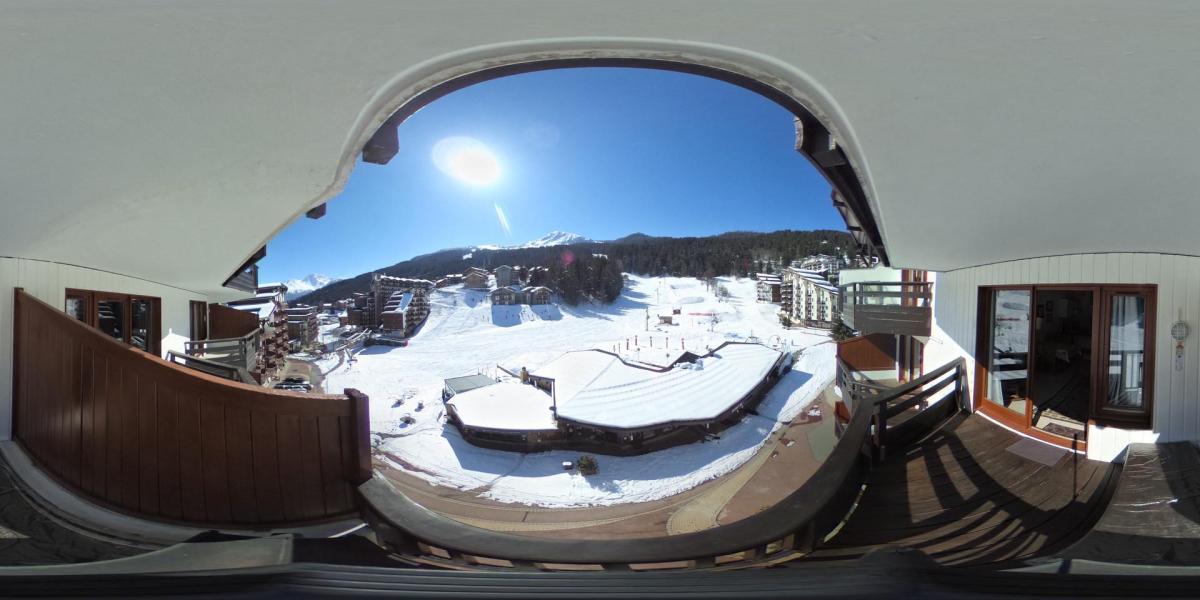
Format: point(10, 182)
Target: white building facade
point(808, 298)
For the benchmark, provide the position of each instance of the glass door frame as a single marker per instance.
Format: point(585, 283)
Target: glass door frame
point(1101, 305)
point(1100, 412)
point(92, 300)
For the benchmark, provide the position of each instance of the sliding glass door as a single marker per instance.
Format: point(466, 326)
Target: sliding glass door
point(1008, 347)
point(1053, 358)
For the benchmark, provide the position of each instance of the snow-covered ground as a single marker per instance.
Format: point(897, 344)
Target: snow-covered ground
point(465, 334)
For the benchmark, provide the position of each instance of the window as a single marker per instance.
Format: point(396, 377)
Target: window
point(134, 320)
point(1128, 328)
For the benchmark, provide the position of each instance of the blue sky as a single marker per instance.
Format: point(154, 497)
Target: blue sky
point(602, 152)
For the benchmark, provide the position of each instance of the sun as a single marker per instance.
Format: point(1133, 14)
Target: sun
point(467, 160)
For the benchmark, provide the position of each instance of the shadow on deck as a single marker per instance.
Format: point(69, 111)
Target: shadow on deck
point(961, 497)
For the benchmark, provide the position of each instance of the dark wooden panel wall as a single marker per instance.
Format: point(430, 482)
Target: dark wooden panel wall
point(225, 322)
point(874, 352)
point(133, 432)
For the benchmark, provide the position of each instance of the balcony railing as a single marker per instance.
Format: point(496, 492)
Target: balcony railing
point(240, 352)
point(896, 307)
point(130, 431)
point(787, 530)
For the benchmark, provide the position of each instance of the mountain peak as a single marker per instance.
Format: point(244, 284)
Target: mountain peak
point(304, 285)
point(556, 238)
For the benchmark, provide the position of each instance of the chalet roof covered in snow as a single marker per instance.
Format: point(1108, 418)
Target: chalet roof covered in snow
point(598, 388)
point(508, 405)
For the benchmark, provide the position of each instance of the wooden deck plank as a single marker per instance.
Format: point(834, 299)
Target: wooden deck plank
point(959, 496)
point(1154, 515)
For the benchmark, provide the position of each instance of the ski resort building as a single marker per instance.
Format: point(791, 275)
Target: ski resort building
point(536, 294)
point(807, 298)
point(529, 295)
point(504, 276)
point(476, 278)
point(405, 311)
point(302, 324)
point(769, 288)
point(503, 296)
point(384, 290)
point(595, 400)
point(825, 265)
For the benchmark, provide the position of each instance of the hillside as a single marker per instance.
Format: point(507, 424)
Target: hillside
point(737, 252)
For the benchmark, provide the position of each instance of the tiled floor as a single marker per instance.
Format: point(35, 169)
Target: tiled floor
point(27, 537)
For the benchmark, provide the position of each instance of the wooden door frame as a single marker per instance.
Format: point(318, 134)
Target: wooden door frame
point(154, 341)
point(93, 299)
point(983, 353)
point(1101, 303)
point(1116, 417)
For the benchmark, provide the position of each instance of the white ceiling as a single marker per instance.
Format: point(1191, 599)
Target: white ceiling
point(169, 140)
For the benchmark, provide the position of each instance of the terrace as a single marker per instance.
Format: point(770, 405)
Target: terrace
point(895, 307)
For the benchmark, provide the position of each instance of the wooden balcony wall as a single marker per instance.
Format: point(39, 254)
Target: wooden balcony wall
point(901, 308)
point(875, 352)
point(226, 323)
point(135, 433)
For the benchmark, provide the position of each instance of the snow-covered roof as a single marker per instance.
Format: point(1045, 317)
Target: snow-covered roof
point(597, 388)
point(263, 309)
point(815, 278)
point(399, 304)
point(466, 383)
point(508, 405)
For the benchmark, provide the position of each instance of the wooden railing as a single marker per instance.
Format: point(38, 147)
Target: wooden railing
point(131, 431)
point(240, 352)
point(221, 370)
point(788, 530)
point(897, 307)
point(924, 402)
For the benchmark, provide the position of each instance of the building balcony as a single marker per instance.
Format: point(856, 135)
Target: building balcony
point(239, 353)
point(894, 307)
point(151, 440)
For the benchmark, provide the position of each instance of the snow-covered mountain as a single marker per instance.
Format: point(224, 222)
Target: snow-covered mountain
point(555, 238)
point(299, 287)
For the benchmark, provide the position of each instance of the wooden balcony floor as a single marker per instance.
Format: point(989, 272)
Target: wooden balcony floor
point(28, 537)
point(963, 498)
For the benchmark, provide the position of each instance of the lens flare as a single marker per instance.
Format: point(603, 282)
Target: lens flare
point(467, 160)
point(503, 219)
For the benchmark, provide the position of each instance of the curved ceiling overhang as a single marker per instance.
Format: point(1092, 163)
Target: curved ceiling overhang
point(168, 142)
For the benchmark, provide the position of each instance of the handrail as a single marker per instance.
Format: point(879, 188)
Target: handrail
point(240, 352)
point(901, 398)
point(898, 307)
